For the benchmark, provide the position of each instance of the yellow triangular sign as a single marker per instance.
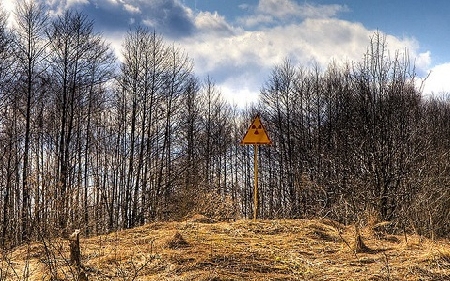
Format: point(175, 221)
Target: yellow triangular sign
point(256, 134)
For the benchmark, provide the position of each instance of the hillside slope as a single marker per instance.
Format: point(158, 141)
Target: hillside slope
point(199, 249)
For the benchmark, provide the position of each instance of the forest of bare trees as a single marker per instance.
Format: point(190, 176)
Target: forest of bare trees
point(94, 143)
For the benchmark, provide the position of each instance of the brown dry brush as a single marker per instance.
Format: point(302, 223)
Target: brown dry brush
point(7, 269)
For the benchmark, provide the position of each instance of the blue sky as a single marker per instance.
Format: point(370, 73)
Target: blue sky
point(237, 42)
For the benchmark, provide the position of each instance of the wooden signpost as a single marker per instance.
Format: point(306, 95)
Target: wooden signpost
point(256, 135)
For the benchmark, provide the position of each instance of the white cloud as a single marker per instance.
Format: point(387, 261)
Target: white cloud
point(314, 40)
point(422, 63)
point(278, 8)
point(256, 20)
point(150, 22)
point(238, 94)
point(131, 9)
point(115, 39)
point(58, 7)
point(242, 61)
point(212, 22)
point(8, 5)
point(283, 12)
point(283, 8)
point(438, 82)
point(70, 3)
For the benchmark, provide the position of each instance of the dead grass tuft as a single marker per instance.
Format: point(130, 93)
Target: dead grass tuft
point(177, 242)
point(334, 224)
point(198, 218)
point(360, 246)
point(439, 256)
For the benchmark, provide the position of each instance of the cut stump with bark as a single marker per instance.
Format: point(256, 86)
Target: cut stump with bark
point(75, 252)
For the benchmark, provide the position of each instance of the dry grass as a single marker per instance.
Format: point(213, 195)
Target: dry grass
point(241, 250)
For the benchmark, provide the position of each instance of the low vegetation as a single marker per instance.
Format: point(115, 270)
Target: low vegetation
point(200, 249)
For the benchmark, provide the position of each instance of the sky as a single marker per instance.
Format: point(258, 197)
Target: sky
point(237, 43)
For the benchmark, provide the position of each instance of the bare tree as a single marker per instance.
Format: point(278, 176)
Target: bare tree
point(141, 80)
point(8, 77)
point(31, 19)
point(81, 63)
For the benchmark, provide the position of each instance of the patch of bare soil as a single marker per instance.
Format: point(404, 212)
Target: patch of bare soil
point(240, 250)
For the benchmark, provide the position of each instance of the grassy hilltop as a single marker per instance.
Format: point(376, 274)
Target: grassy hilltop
point(200, 249)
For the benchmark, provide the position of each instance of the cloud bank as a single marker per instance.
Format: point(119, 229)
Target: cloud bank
point(239, 53)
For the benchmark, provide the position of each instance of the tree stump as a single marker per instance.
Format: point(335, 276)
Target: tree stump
point(75, 255)
point(75, 252)
point(360, 246)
